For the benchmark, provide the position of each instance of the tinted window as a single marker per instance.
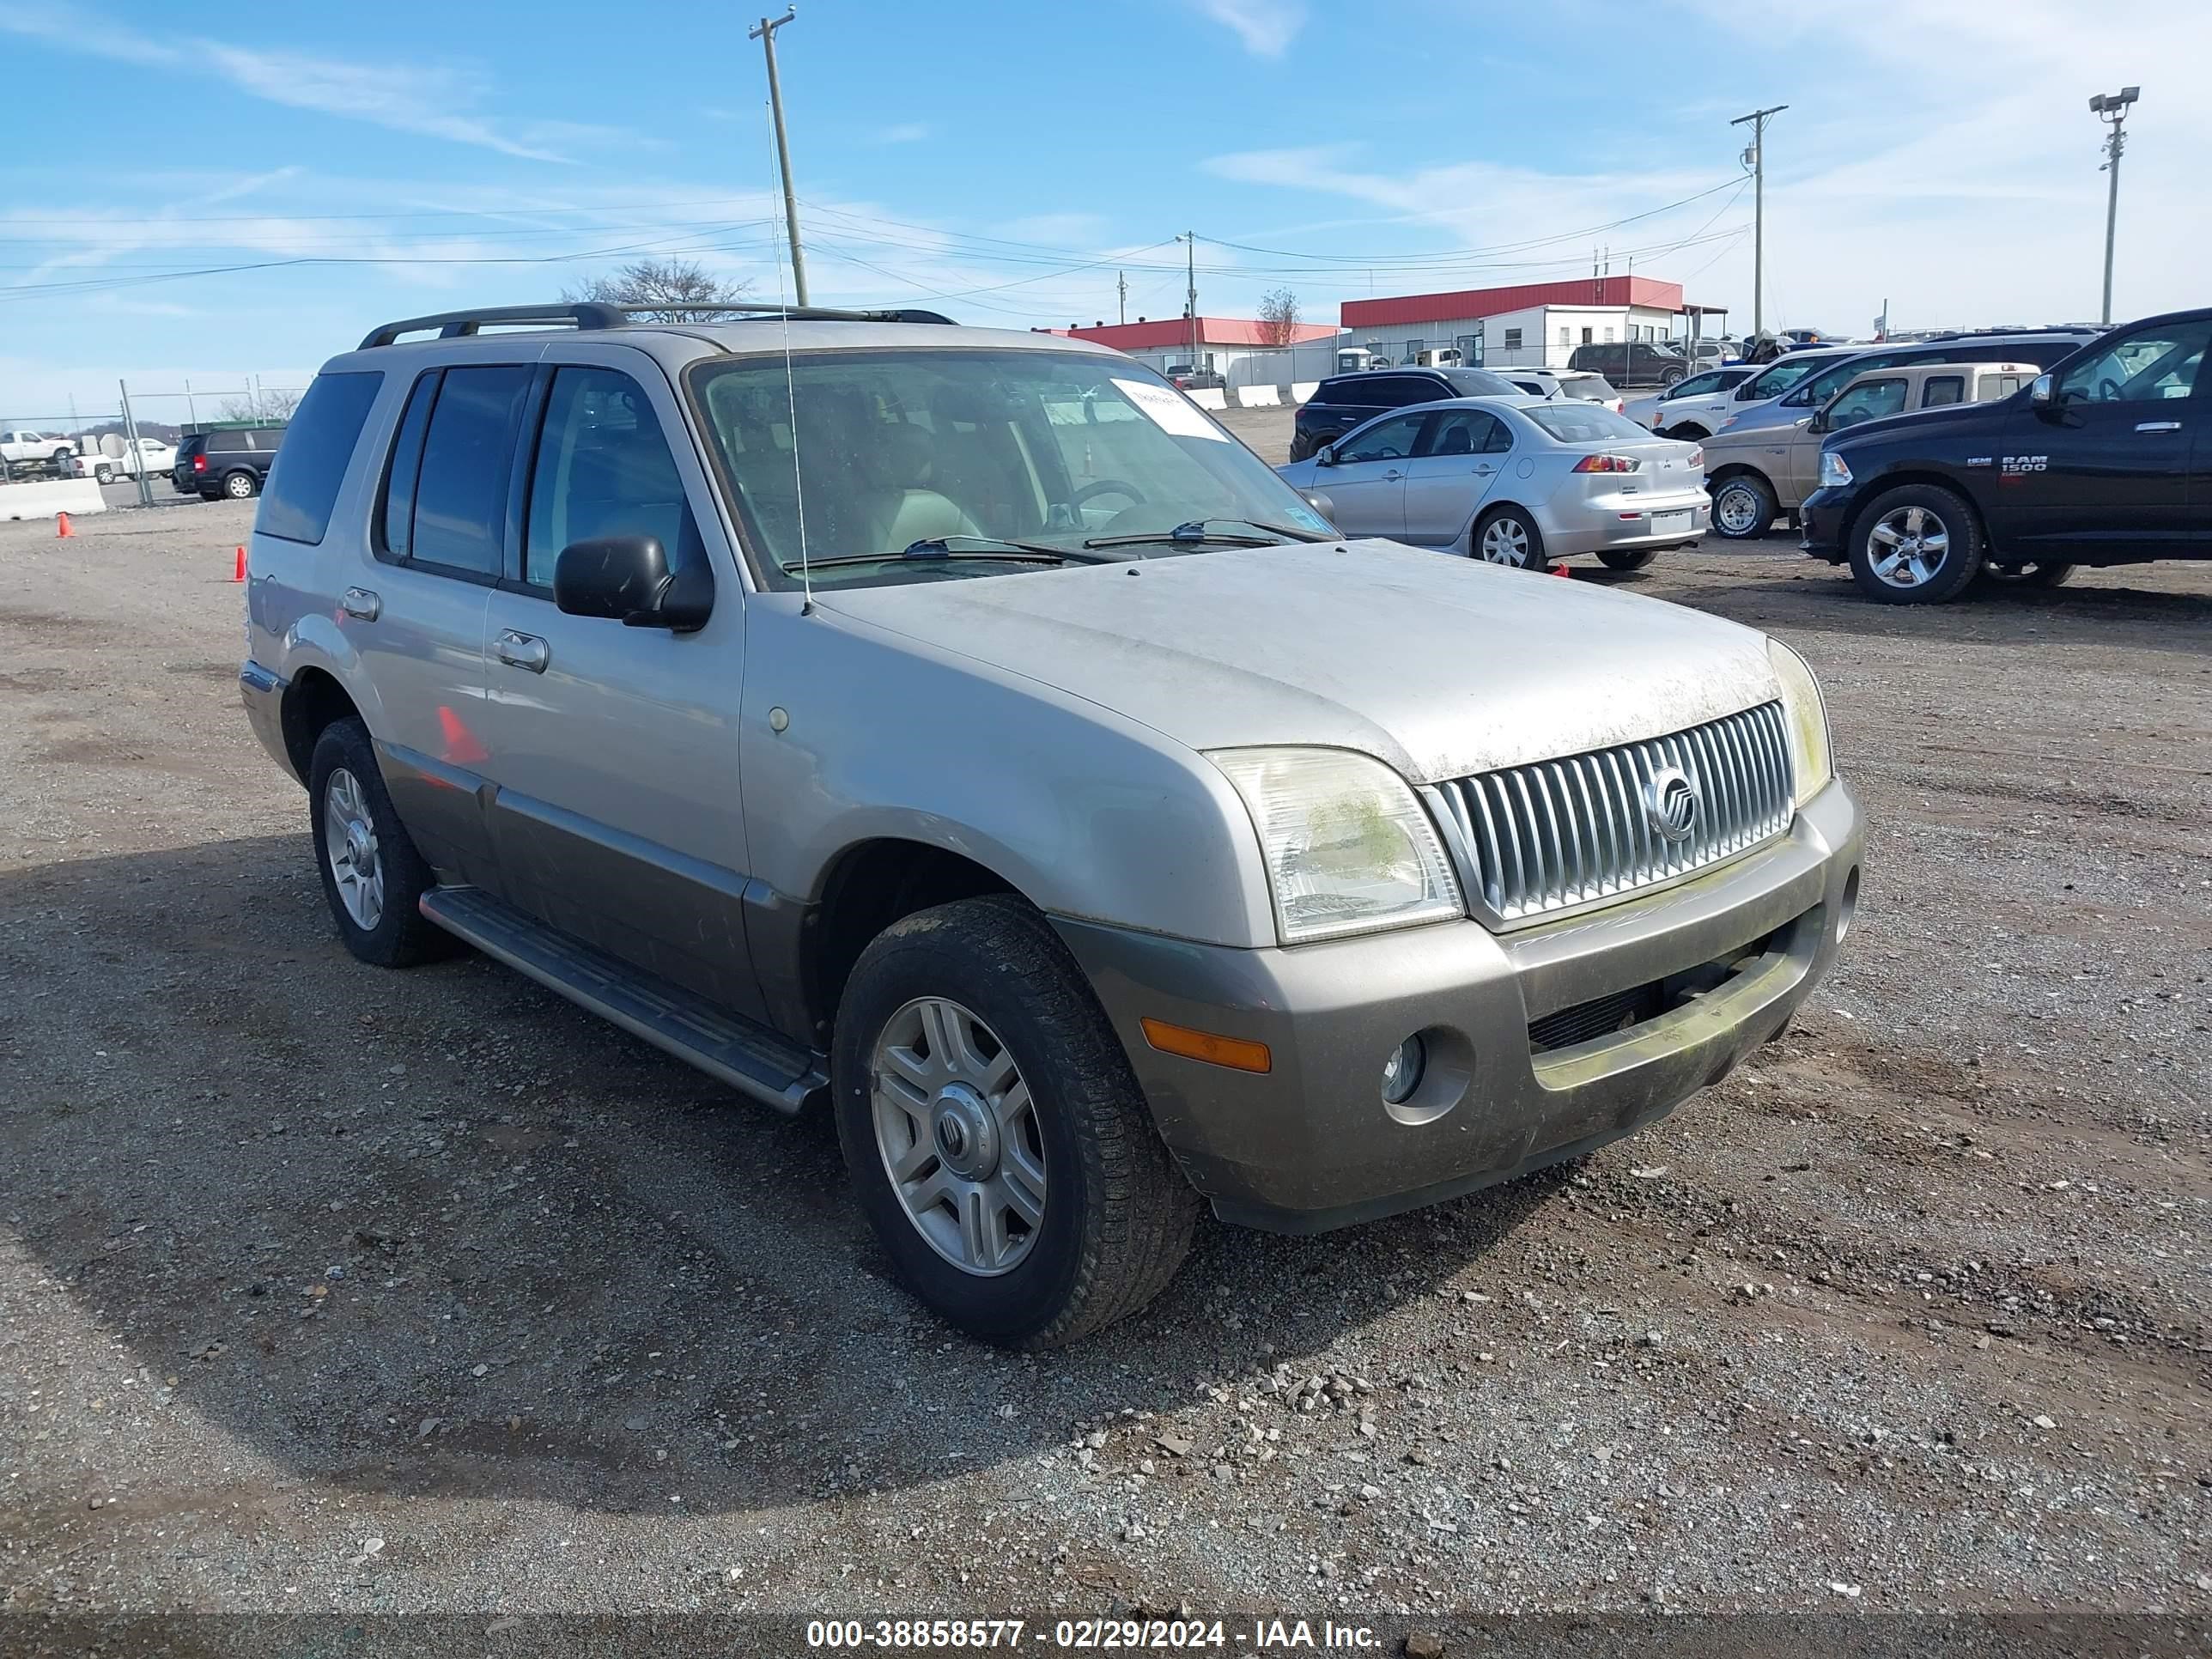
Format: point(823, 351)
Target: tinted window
point(303, 484)
point(1386, 440)
point(2150, 365)
point(1355, 389)
point(1868, 401)
point(460, 491)
point(602, 469)
point(1939, 389)
point(1467, 432)
point(1583, 423)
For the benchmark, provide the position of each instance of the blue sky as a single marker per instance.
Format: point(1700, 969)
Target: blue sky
point(1003, 161)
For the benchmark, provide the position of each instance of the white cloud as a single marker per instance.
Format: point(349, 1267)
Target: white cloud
point(1265, 27)
point(906, 132)
point(429, 100)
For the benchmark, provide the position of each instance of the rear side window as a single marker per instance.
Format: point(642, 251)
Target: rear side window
point(459, 518)
point(1941, 389)
point(303, 483)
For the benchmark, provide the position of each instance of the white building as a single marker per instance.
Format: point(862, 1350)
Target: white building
point(1528, 324)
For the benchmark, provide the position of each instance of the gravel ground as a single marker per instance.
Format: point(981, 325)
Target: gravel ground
point(327, 1288)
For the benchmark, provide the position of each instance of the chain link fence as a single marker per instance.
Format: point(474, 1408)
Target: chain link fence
point(136, 440)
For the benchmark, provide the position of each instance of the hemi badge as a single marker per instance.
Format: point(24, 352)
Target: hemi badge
point(1977, 460)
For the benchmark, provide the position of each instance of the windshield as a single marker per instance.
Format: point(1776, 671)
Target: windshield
point(1480, 383)
point(890, 449)
point(1588, 386)
point(1583, 423)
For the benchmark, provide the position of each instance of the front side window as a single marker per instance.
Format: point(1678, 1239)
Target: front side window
point(603, 468)
point(2151, 365)
point(451, 492)
point(1869, 400)
point(1819, 387)
point(862, 454)
point(1386, 440)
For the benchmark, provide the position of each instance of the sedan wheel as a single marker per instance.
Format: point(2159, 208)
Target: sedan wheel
point(1507, 538)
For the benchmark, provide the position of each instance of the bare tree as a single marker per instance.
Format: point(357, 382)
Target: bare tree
point(674, 282)
point(271, 404)
point(1278, 317)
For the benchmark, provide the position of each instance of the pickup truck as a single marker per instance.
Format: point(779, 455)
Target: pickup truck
point(28, 451)
point(110, 457)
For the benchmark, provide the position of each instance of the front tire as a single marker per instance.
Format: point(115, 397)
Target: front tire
point(997, 1138)
point(1916, 544)
point(1508, 536)
point(372, 875)
point(1744, 508)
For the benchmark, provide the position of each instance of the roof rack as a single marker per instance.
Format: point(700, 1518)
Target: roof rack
point(593, 313)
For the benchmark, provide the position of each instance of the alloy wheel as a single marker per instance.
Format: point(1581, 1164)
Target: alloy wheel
point(958, 1133)
point(1907, 546)
point(350, 844)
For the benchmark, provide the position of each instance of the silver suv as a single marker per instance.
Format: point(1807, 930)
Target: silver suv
point(960, 728)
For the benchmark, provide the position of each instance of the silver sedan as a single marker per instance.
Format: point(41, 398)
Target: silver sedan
point(1515, 481)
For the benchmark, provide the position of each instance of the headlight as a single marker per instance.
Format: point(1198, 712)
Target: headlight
point(1806, 719)
point(1348, 846)
point(1834, 470)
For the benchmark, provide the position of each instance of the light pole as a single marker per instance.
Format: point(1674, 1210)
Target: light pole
point(2111, 109)
point(1754, 157)
point(764, 32)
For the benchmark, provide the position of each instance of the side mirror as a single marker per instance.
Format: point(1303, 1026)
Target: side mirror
point(1817, 423)
point(626, 578)
point(1320, 503)
point(1325, 456)
point(2044, 392)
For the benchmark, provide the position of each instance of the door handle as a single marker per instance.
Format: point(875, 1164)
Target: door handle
point(1393, 472)
point(2158, 426)
point(1483, 471)
point(360, 602)
point(524, 651)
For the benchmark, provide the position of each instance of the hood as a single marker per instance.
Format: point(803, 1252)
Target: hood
point(1442, 666)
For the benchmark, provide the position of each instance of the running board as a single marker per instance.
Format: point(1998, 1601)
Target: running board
point(750, 1058)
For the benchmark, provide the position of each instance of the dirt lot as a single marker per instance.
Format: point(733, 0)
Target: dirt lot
point(326, 1288)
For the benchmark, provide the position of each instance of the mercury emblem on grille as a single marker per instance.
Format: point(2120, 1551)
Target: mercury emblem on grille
point(1670, 802)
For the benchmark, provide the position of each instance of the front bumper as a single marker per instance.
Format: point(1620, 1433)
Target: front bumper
point(1311, 1144)
point(1822, 518)
point(1624, 521)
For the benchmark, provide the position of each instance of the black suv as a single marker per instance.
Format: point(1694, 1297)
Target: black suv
point(1343, 401)
point(1632, 363)
point(232, 460)
point(2107, 459)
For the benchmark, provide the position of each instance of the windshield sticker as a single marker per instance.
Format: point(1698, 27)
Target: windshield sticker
point(1171, 411)
point(1311, 520)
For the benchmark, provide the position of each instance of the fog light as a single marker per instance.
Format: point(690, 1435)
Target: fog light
point(1402, 1072)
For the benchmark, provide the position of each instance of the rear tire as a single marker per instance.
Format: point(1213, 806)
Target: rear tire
point(1627, 558)
point(1744, 508)
point(241, 486)
point(1916, 544)
point(1052, 1111)
point(1507, 536)
point(2034, 574)
point(1689, 432)
point(348, 805)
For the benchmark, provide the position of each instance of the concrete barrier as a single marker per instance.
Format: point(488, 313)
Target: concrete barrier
point(1209, 396)
point(1302, 391)
point(1259, 397)
point(43, 501)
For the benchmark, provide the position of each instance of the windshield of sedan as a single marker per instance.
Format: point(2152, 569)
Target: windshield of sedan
point(925, 464)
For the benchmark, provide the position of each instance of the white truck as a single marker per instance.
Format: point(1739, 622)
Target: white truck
point(27, 451)
point(112, 456)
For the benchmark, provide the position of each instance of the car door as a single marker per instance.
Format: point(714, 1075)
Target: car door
point(2104, 465)
point(1458, 461)
point(413, 606)
point(1365, 483)
point(615, 813)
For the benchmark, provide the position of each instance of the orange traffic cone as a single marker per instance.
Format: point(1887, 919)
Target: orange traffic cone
point(63, 528)
point(238, 573)
point(1561, 570)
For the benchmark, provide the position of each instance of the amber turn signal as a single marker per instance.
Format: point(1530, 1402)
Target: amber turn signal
point(1235, 1052)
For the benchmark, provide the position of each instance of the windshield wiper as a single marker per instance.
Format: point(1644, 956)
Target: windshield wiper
point(940, 547)
point(1194, 533)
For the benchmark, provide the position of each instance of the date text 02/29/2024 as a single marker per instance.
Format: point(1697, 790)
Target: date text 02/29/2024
point(1266, 1635)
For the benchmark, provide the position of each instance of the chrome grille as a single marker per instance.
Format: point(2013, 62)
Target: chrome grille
point(1555, 834)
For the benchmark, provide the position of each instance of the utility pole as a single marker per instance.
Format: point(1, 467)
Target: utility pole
point(1754, 157)
point(764, 32)
point(1190, 292)
point(2111, 109)
point(1121, 283)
